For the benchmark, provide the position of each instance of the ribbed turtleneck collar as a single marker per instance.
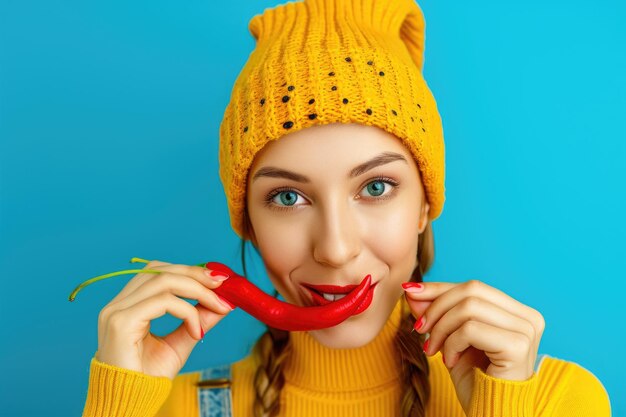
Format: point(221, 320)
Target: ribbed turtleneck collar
point(316, 367)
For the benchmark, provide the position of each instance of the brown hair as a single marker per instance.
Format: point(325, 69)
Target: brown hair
point(273, 348)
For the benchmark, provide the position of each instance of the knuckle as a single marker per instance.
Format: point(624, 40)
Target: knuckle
point(166, 297)
point(540, 323)
point(162, 282)
point(530, 331)
point(469, 305)
point(473, 285)
point(104, 314)
point(537, 321)
point(116, 321)
point(167, 301)
point(468, 328)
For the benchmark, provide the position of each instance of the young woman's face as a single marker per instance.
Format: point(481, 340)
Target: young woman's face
point(320, 214)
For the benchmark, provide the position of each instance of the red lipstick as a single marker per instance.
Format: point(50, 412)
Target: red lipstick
point(317, 298)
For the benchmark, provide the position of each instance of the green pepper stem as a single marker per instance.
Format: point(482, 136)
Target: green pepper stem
point(113, 274)
point(134, 259)
point(144, 261)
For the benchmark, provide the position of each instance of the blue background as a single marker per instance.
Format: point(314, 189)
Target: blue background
point(109, 127)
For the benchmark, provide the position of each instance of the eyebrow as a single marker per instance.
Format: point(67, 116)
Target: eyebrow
point(382, 159)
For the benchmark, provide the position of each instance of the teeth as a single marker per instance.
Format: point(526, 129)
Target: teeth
point(333, 297)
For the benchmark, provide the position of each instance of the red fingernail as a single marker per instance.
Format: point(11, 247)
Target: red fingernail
point(201, 333)
point(217, 275)
point(419, 323)
point(413, 286)
point(228, 303)
point(426, 345)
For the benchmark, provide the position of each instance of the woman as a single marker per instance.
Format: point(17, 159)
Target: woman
point(332, 159)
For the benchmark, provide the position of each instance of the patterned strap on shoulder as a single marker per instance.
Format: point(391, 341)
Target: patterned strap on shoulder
point(214, 394)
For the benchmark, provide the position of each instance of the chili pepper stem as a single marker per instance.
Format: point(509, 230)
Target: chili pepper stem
point(145, 261)
point(133, 260)
point(112, 274)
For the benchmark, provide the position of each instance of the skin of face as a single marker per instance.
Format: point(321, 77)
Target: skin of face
point(336, 229)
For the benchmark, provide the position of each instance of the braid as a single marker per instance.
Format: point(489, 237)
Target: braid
point(414, 361)
point(272, 349)
point(415, 370)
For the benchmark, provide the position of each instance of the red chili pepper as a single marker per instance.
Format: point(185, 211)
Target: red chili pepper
point(271, 311)
point(281, 315)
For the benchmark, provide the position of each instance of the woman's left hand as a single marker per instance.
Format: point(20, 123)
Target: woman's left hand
point(476, 325)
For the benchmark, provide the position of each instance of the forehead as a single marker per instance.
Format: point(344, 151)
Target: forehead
point(336, 144)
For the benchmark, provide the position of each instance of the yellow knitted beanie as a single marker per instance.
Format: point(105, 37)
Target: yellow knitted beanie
point(329, 61)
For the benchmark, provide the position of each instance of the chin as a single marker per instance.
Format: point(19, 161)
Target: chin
point(357, 331)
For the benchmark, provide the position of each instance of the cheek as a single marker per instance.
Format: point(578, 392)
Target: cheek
point(282, 248)
point(394, 239)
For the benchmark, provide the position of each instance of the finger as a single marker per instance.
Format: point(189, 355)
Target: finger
point(210, 278)
point(179, 285)
point(508, 351)
point(475, 309)
point(180, 339)
point(418, 305)
point(129, 326)
point(428, 290)
point(418, 308)
point(138, 279)
point(473, 288)
point(163, 282)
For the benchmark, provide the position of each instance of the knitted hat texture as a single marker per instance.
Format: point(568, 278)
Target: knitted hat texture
point(332, 61)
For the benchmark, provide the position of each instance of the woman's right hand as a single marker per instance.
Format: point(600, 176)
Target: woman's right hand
point(124, 337)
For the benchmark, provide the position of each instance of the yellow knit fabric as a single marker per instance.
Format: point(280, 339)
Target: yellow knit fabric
point(332, 61)
point(360, 382)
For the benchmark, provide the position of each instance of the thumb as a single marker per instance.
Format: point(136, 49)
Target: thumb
point(182, 342)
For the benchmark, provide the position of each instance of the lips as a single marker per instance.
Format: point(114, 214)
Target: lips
point(318, 299)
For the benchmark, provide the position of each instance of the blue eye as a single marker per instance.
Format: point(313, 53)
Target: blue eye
point(376, 188)
point(282, 199)
point(287, 198)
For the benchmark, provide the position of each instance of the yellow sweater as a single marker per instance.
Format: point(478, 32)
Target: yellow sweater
point(355, 382)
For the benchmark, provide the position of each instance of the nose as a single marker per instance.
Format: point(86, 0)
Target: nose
point(337, 238)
